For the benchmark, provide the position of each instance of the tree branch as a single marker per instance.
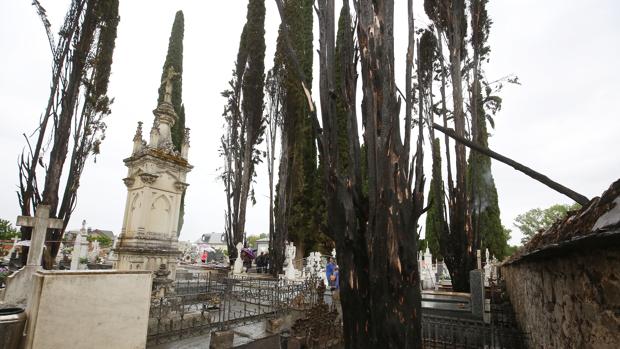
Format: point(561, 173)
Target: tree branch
point(517, 166)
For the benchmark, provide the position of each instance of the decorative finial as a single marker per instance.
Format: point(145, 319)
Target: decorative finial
point(170, 75)
point(84, 225)
point(138, 136)
point(155, 127)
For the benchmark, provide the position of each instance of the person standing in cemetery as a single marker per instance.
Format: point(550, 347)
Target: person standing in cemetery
point(335, 280)
point(329, 271)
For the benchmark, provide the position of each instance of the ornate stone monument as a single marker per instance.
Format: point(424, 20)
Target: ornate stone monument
point(156, 181)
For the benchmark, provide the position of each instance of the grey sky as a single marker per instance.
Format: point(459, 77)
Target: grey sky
point(563, 120)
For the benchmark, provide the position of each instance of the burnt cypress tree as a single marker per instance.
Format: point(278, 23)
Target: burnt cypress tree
point(78, 105)
point(435, 217)
point(174, 58)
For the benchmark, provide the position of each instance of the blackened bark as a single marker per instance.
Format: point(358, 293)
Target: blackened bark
point(393, 270)
point(461, 259)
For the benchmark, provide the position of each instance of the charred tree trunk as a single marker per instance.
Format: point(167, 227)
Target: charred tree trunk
point(375, 236)
point(391, 236)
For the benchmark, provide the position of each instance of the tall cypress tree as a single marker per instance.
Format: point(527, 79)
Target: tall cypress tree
point(174, 58)
point(435, 217)
point(486, 222)
point(304, 203)
point(341, 113)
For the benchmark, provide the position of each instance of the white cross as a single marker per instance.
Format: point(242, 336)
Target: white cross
point(40, 223)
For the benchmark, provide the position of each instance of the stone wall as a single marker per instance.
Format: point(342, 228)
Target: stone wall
point(89, 309)
point(568, 301)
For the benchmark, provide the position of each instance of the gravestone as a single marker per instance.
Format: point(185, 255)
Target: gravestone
point(19, 284)
point(476, 284)
point(80, 249)
point(238, 266)
point(94, 254)
point(290, 272)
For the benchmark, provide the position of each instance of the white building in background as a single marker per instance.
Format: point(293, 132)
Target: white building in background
point(262, 245)
point(216, 241)
point(156, 181)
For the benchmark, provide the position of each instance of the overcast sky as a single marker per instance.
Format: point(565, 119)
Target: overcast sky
point(562, 121)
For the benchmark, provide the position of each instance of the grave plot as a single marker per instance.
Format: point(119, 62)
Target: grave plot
point(216, 302)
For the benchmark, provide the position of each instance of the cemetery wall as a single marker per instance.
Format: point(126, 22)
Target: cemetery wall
point(89, 309)
point(568, 301)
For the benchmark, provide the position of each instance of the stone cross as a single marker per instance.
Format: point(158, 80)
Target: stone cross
point(19, 285)
point(40, 223)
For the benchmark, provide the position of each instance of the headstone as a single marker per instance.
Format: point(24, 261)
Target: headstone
point(19, 284)
point(221, 339)
point(334, 253)
point(238, 266)
point(478, 261)
point(94, 254)
point(290, 272)
point(427, 270)
point(80, 249)
point(476, 285)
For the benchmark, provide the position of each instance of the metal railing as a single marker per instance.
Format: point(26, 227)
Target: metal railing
point(219, 302)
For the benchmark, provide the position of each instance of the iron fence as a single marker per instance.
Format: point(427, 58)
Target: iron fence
point(464, 331)
point(218, 302)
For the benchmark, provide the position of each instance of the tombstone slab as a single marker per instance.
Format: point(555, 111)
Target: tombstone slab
point(476, 282)
point(221, 340)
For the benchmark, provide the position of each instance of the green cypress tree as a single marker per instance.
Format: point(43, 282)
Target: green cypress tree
point(174, 58)
point(341, 114)
point(306, 208)
point(486, 222)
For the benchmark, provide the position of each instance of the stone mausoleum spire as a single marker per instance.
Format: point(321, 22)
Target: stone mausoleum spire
point(156, 181)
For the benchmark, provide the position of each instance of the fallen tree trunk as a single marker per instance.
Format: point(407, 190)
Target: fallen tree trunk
point(581, 199)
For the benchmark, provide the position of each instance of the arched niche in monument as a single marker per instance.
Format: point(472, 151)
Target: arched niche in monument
point(159, 215)
point(136, 204)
